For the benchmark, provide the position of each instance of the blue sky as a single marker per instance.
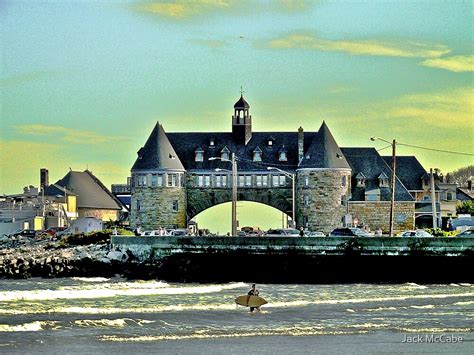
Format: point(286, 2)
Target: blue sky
point(84, 82)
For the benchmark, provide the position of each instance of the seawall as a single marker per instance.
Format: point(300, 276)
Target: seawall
point(312, 260)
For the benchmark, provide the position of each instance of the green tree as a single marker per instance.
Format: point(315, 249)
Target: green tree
point(467, 207)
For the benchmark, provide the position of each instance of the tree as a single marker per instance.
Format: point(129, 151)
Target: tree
point(461, 176)
point(467, 207)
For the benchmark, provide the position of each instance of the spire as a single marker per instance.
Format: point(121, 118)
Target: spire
point(158, 153)
point(324, 152)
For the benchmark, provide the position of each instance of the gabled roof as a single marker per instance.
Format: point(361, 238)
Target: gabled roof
point(383, 175)
point(464, 194)
point(90, 191)
point(409, 170)
point(158, 153)
point(324, 152)
point(368, 162)
point(360, 175)
point(241, 103)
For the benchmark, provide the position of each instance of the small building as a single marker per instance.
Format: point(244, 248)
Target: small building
point(93, 198)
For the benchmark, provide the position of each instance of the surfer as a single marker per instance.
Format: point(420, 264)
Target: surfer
point(253, 292)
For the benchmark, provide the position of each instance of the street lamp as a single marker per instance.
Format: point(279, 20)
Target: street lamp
point(392, 197)
point(292, 177)
point(232, 160)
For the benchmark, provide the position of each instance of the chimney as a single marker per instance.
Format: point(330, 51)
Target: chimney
point(300, 144)
point(469, 185)
point(44, 178)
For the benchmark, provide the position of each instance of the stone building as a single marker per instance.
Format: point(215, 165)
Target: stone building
point(174, 179)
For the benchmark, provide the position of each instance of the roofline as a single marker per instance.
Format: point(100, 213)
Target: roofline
point(323, 169)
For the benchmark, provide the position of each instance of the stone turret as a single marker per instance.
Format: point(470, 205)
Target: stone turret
point(158, 195)
point(323, 183)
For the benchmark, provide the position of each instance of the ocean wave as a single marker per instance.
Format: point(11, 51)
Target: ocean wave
point(110, 323)
point(35, 326)
point(129, 289)
point(435, 330)
point(414, 285)
point(466, 303)
point(90, 279)
point(203, 334)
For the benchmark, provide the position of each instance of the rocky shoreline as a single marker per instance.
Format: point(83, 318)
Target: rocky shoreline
point(48, 257)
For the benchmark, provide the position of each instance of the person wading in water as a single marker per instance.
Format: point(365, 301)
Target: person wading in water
point(253, 292)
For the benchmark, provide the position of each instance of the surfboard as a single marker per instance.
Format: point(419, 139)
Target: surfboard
point(250, 301)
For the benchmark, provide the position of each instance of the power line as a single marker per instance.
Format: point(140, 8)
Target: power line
point(435, 150)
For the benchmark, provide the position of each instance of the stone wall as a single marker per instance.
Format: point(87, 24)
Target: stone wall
point(324, 209)
point(156, 207)
point(377, 215)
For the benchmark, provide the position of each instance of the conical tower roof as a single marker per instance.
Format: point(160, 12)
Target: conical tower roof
point(324, 153)
point(158, 153)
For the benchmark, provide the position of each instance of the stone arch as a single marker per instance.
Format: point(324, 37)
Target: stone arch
point(199, 200)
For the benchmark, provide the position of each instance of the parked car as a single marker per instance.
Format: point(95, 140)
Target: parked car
point(30, 233)
point(241, 234)
point(283, 232)
point(179, 232)
point(316, 234)
point(419, 233)
point(466, 233)
point(349, 232)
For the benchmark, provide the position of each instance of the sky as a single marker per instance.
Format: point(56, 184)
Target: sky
point(84, 82)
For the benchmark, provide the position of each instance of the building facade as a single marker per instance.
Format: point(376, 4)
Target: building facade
point(178, 175)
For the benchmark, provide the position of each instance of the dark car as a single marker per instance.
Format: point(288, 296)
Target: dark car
point(349, 232)
point(30, 233)
point(466, 233)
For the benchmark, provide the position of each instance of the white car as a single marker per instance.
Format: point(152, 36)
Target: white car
point(419, 233)
point(283, 232)
point(315, 234)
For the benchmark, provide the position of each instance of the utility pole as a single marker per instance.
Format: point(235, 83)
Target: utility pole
point(234, 195)
point(433, 200)
point(392, 198)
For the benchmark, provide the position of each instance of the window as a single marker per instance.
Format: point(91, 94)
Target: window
point(199, 155)
point(212, 142)
point(221, 180)
point(383, 180)
point(248, 180)
point(343, 180)
point(427, 198)
point(174, 206)
point(138, 205)
point(258, 180)
point(449, 196)
point(305, 221)
point(343, 200)
point(282, 180)
point(305, 200)
point(275, 180)
point(372, 197)
point(160, 180)
point(207, 180)
point(264, 180)
point(141, 180)
point(306, 181)
point(172, 180)
point(241, 180)
point(282, 156)
point(270, 142)
point(257, 156)
point(225, 153)
point(154, 180)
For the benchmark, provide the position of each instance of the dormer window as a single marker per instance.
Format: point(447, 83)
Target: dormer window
point(270, 141)
point(199, 154)
point(282, 154)
point(225, 153)
point(383, 180)
point(257, 154)
point(212, 143)
point(361, 178)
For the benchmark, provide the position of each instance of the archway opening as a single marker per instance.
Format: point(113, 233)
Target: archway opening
point(218, 219)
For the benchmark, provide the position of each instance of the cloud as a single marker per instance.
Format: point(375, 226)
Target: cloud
point(443, 109)
point(179, 10)
point(459, 63)
point(407, 49)
point(68, 135)
point(210, 43)
point(25, 78)
point(183, 9)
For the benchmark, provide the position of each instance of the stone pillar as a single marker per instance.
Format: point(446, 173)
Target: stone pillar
point(300, 144)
